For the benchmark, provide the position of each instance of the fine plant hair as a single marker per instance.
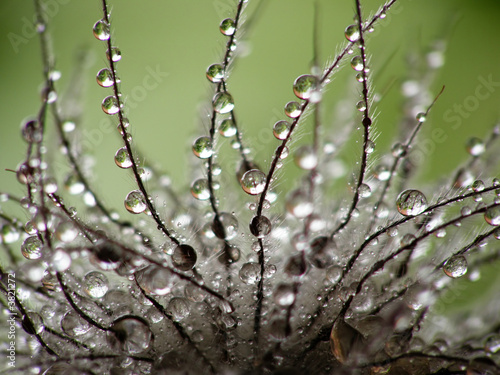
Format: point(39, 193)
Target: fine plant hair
point(346, 273)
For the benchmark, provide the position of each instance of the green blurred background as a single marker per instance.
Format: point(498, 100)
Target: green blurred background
point(180, 39)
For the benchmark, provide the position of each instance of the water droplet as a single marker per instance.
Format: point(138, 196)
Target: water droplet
point(306, 158)
point(370, 147)
point(260, 227)
point(110, 105)
point(60, 260)
point(184, 257)
point(478, 186)
point(382, 173)
point(492, 344)
point(130, 335)
point(135, 203)
point(250, 273)
point(226, 228)
point(101, 30)
point(296, 266)
point(178, 308)
point(299, 205)
point(293, 109)
point(281, 129)
point(227, 128)
point(215, 73)
point(115, 54)
point(95, 284)
point(421, 117)
point(411, 202)
point(31, 131)
point(223, 102)
point(305, 86)
point(398, 150)
point(364, 191)
point(333, 274)
point(202, 147)
point(253, 181)
point(66, 232)
point(361, 106)
point(456, 266)
point(156, 280)
point(122, 158)
point(357, 63)
point(74, 325)
point(8, 234)
point(227, 27)
point(492, 215)
point(32, 248)
point(475, 146)
point(74, 185)
point(104, 78)
point(200, 189)
point(352, 33)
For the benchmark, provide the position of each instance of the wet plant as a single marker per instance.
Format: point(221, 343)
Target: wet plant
point(235, 277)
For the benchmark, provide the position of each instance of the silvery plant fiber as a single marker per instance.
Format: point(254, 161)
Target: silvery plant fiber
point(249, 267)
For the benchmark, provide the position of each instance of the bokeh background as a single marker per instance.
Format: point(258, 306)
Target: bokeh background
point(181, 39)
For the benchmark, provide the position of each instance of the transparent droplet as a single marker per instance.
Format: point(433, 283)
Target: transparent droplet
point(227, 27)
point(421, 117)
point(104, 78)
point(357, 63)
point(475, 146)
point(299, 205)
point(9, 234)
point(215, 73)
point(50, 185)
point(361, 106)
point(281, 129)
point(333, 274)
point(60, 260)
point(305, 86)
point(306, 158)
point(74, 185)
point(115, 55)
point(95, 284)
point(156, 280)
point(456, 266)
point(250, 273)
point(352, 33)
point(293, 109)
point(364, 191)
point(284, 295)
point(32, 248)
point(398, 150)
point(226, 228)
point(31, 131)
point(184, 257)
point(253, 182)
point(73, 324)
point(101, 30)
point(178, 309)
point(130, 335)
point(260, 227)
point(370, 147)
point(382, 172)
point(478, 186)
point(200, 189)
point(202, 147)
point(223, 102)
point(122, 158)
point(492, 344)
point(492, 215)
point(32, 323)
point(110, 105)
point(411, 202)
point(227, 128)
point(135, 203)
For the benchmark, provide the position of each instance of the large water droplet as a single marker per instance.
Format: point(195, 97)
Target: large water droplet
point(156, 280)
point(32, 248)
point(8, 234)
point(66, 232)
point(95, 284)
point(456, 266)
point(104, 78)
point(352, 33)
point(74, 325)
point(260, 226)
point(357, 63)
point(122, 158)
point(184, 257)
point(31, 131)
point(101, 30)
point(227, 27)
point(250, 273)
point(110, 105)
point(305, 86)
point(200, 189)
point(227, 128)
point(202, 147)
point(306, 158)
point(293, 109)
point(130, 335)
point(299, 204)
point(215, 73)
point(411, 202)
point(223, 102)
point(281, 129)
point(135, 202)
point(226, 228)
point(284, 295)
point(115, 55)
point(492, 215)
point(178, 308)
point(475, 146)
point(253, 181)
